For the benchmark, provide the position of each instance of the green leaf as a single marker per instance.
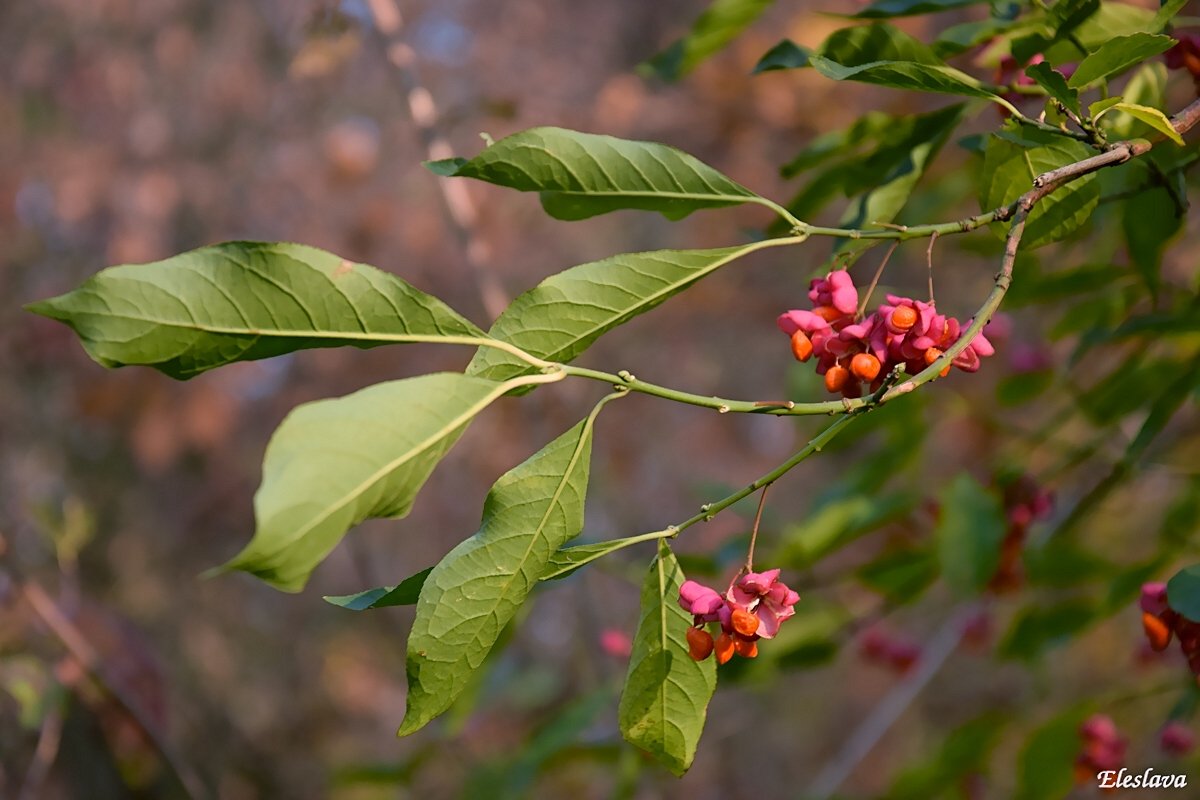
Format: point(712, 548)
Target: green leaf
point(666, 694)
point(716, 27)
point(480, 585)
point(1038, 628)
point(1179, 528)
point(969, 531)
point(1062, 562)
point(1151, 116)
point(334, 463)
point(565, 561)
point(785, 55)
point(240, 301)
point(1009, 169)
point(564, 314)
point(881, 9)
point(882, 55)
point(839, 522)
point(1097, 109)
point(880, 181)
point(962, 37)
point(513, 775)
point(1092, 24)
point(1046, 768)
point(580, 175)
point(965, 752)
point(404, 593)
point(863, 45)
point(1167, 12)
point(1183, 592)
point(1149, 221)
point(1147, 86)
point(901, 576)
point(878, 54)
point(1055, 85)
point(892, 172)
point(871, 126)
point(1117, 55)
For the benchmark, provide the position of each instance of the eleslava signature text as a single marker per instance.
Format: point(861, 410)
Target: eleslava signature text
point(1124, 779)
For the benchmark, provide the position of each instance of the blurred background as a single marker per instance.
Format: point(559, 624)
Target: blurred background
point(130, 131)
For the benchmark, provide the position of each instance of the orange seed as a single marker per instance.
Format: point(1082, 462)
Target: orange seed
point(746, 648)
point(744, 622)
point(700, 643)
point(724, 648)
point(802, 348)
point(827, 313)
point(1156, 631)
point(836, 377)
point(865, 366)
point(904, 317)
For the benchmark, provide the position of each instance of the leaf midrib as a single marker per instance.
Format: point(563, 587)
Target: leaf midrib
point(283, 333)
point(396, 463)
point(584, 436)
point(666, 290)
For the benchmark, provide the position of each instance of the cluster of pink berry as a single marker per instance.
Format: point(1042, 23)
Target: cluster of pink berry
point(1161, 622)
point(1103, 748)
point(853, 353)
point(752, 608)
point(878, 646)
point(1024, 502)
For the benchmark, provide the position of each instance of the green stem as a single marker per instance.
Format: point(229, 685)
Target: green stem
point(721, 405)
point(903, 232)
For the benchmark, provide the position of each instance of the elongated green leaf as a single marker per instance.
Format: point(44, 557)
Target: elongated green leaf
point(564, 314)
point(888, 177)
point(477, 588)
point(905, 75)
point(878, 54)
point(1167, 12)
point(1149, 221)
point(404, 593)
point(580, 175)
point(1009, 169)
point(1046, 767)
point(872, 44)
point(716, 27)
point(964, 752)
point(1038, 628)
point(966, 35)
point(880, 181)
point(837, 523)
point(785, 55)
point(666, 693)
point(245, 300)
point(885, 56)
point(872, 126)
point(334, 463)
point(1183, 592)
point(968, 534)
point(1116, 56)
point(1151, 116)
point(1147, 86)
point(881, 9)
point(1055, 85)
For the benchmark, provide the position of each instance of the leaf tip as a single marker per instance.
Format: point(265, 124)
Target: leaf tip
point(445, 167)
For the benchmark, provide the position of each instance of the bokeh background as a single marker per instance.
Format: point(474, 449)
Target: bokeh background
point(134, 129)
